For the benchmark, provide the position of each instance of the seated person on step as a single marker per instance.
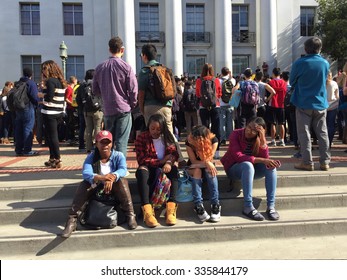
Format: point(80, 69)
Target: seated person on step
point(155, 148)
point(246, 159)
point(201, 147)
point(107, 166)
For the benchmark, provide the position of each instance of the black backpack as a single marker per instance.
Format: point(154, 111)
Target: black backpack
point(208, 93)
point(227, 87)
point(17, 98)
point(91, 102)
point(190, 101)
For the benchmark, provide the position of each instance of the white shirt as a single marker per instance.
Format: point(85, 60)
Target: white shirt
point(159, 147)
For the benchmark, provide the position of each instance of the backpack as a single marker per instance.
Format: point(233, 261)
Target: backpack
point(74, 96)
point(161, 191)
point(287, 104)
point(162, 82)
point(208, 93)
point(227, 87)
point(91, 102)
point(190, 101)
point(250, 93)
point(17, 98)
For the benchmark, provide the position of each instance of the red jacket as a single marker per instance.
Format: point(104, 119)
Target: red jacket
point(237, 145)
point(145, 151)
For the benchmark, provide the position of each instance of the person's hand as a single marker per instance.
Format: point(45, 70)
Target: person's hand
point(108, 187)
point(110, 177)
point(166, 168)
point(261, 133)
point(270, 163)
point(211, 168)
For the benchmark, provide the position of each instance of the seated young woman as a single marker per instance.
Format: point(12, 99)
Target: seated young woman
point(201, 147)
point(246, 159)
point(155, 148)
point(107, 167)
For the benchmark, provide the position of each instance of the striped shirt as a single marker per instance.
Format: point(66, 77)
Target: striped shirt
point(54, 99)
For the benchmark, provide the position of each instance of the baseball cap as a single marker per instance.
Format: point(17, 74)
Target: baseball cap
point(103, 134)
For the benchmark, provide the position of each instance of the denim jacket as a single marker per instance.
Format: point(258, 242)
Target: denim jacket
point(91, 166)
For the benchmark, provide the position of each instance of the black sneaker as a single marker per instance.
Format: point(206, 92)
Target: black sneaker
point(202, 214)
point(215, 213)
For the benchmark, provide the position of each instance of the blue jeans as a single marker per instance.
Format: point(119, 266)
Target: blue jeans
point(25, 121)
point(331, 120)
point(120, 127)
point(212, 184)
point(6, 124)
point(226, 122)
point(247, 172)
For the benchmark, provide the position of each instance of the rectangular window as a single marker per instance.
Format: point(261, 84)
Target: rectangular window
point(307, 18)
point(149, 17)
point(194, 64)
point(195, 23)
point(30, 19)
point(34, 63)
point(239, 22)
point(75, 67)
point(73, 19)
point(240, 63)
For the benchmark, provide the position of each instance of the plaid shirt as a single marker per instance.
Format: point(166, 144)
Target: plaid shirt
point(145, 151)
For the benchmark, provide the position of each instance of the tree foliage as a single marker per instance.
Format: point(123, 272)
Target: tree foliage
point(332, 28)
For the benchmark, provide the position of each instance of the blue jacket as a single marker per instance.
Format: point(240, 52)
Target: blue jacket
point(118, 166)
point(308, 77)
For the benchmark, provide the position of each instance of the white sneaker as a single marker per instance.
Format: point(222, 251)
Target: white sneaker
point(202, 214)
point(272, 143)
point(215, 213)
point(281, 143)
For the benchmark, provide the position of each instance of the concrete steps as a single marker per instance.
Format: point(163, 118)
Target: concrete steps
point(41, 239)
point(310, 204)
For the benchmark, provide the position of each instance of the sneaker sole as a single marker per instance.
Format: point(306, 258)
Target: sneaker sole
point(214, 220)
point(206, 219)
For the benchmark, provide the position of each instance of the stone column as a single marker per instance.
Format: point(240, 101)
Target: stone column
point(268, 39)
point(173, 36)
point(125, 29)
point(223, 35)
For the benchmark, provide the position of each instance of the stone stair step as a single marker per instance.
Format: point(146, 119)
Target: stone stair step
point(22, 191)
point(42, 239)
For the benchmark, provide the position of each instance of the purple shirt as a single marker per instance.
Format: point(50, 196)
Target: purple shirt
point(116, 82)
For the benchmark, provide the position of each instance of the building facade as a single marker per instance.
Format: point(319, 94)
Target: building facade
point(187, 33)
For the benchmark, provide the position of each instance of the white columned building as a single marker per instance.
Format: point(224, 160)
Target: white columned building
point(223, 35)
point(173, 36)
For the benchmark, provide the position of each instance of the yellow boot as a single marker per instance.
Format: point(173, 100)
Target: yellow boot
point(149, 216)
point(171, 208)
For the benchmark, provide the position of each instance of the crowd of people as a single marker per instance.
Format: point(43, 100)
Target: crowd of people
point(113, 106)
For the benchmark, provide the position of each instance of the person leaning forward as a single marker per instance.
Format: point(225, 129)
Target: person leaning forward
point(108, 167)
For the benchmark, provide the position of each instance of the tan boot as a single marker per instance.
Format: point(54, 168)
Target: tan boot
point(171, 208)
point(149, 216)
point(70, 227)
